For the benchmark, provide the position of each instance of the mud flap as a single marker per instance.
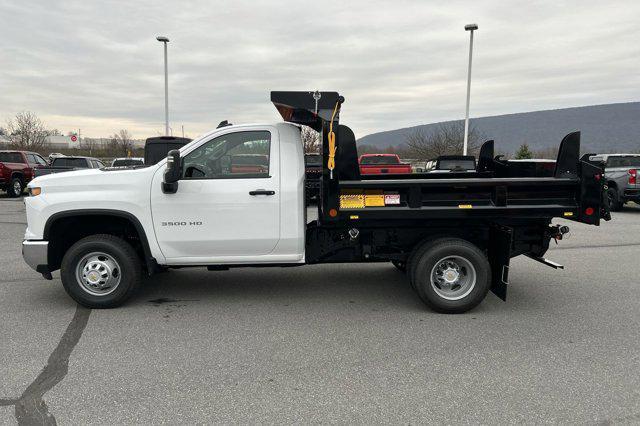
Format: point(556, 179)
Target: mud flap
point(499, 256)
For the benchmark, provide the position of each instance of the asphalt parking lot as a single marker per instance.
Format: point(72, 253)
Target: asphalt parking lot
point(331, 344)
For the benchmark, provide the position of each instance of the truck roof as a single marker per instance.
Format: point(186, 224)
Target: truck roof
point(18, 150)
point(76, 156)
point(615, 155)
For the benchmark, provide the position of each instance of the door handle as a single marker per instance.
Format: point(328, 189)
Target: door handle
point(262, 192)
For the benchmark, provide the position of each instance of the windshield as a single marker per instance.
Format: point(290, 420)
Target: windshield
point(380, 159)
point(624, 161)
point(456, 165)
point(70, 162)
point(10, 157)
point(126, 162)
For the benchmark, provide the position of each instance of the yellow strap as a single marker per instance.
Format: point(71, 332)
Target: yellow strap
point(331, 162)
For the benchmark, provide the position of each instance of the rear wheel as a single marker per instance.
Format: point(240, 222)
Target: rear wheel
point(15, 187)
point(614, 200)
point(451, 275)
point(101, 271)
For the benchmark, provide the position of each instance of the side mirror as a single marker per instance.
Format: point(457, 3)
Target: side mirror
point(173, 172)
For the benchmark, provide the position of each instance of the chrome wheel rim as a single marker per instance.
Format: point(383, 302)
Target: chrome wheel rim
point(453, 277)
point(17, 187)
point(98, 274)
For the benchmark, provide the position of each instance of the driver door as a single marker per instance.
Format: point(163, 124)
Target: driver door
point(228, 201)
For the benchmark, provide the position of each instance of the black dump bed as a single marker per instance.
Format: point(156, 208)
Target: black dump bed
point(574, 189)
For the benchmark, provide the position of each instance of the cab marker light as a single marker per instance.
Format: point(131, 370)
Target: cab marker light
point(465, 206)
point(568, 214)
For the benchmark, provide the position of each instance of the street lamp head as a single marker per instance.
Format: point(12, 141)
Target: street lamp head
point(162, 39)
point(471, 27)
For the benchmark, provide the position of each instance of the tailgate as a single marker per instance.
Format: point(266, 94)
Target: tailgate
point(378, 169)
point(593, 203)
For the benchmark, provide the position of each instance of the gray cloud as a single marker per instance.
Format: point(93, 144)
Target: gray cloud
point(96, 65)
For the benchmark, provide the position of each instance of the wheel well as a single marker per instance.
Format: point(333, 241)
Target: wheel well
point(65, 231)
point(17, 175)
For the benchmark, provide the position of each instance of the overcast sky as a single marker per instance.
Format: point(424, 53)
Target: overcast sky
point(96, 65)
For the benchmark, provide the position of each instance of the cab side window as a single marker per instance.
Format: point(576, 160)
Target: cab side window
point(32, 160)
point(41, 161)
point(230, 156)
point(35, 160)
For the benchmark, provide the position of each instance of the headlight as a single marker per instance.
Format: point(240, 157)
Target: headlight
point(36, 190)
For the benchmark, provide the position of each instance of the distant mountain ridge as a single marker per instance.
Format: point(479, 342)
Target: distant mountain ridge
point(605, 128)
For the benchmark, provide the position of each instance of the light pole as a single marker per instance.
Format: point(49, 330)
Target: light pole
point(471, 28)
point(165, 40)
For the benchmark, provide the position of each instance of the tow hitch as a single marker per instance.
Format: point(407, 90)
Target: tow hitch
point(558, 232)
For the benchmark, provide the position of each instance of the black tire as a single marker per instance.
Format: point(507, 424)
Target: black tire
point(614, 200)
point(411, 263)
point(400, 265)
point(429, 256)
point(129, 271)
point(12, 190)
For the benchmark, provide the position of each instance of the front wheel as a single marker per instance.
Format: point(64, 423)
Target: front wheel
point(15, 187)
point(101, 271)
point(451, 275)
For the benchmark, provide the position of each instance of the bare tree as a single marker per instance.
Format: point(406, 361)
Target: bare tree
point(310, 140)
point(446, 139)
point(122, 142)
point(26, 131)
point(89, 144)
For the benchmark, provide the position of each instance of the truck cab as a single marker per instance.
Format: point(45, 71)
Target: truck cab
point(223, 213)
point(217, 213)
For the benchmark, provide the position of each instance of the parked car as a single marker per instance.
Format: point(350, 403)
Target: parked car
point(312, 175)
point(17, 170)
point(377, 164)
point(67, 164)
point(55, 155)
point(126, 162)
point(621, 176)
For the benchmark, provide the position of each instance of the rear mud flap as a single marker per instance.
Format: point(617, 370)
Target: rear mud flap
point(499, 257)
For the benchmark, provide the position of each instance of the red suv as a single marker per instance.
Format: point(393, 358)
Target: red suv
point(16, 170)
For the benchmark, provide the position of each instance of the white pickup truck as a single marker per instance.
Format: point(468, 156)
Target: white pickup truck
point(208, 205)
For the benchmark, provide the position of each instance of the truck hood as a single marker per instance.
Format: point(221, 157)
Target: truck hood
point(96, 178)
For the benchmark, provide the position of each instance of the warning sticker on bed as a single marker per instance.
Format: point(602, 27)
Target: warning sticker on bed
point(352, 201)
point(391, 199)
